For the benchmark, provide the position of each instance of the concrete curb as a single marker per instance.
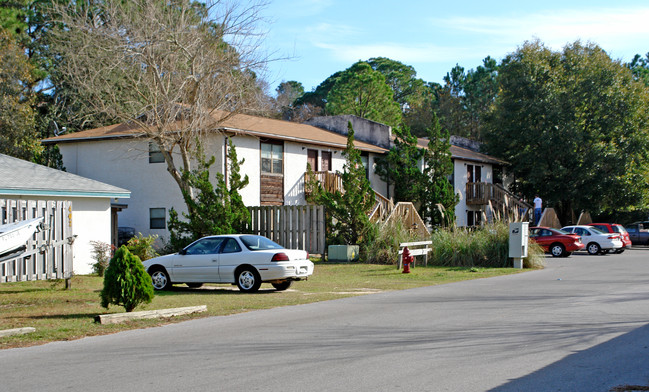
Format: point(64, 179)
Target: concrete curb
point(116, 318)
point(16, 331)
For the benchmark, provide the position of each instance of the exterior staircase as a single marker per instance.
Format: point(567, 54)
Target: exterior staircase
point(384, 209)
point(503, 204)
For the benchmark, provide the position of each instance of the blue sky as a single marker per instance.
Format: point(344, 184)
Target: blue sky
point(325, 36)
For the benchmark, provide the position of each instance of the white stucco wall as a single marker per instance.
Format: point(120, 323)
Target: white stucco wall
point(125, 163)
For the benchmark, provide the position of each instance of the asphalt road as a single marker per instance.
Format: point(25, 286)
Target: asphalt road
point(578, 325)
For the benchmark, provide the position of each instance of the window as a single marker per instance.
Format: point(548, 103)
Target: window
point(155, 155)
point(157, 218)
point(326, 160)
point(231, 246)
point(272, 158)
point(204, 246)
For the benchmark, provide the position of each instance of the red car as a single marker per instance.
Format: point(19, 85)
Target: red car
point(555, 241)
point(615, 228)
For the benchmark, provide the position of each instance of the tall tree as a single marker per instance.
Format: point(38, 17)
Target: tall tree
point(18, 136)
point(575, 127)
point(363, 92)
point(438, 166)
point(287, 93)
point(175, 69)
point(347, 210)
point(214, 210)
point(402, 166)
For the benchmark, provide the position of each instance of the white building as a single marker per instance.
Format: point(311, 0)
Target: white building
point(94, 204)
point(275, 152)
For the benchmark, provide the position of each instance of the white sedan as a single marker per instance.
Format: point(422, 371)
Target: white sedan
point(241, 259)
point(596, 240)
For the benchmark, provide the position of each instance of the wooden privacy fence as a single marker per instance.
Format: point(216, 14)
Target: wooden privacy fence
point(293, 227)
point(48, 253)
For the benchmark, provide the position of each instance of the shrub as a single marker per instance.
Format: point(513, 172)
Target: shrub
point(126, 283)
point(383, 248)
point(101, 252)
point(487, 246)
point(142, 247)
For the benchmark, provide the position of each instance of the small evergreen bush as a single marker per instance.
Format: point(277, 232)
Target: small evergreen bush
point(126, 283)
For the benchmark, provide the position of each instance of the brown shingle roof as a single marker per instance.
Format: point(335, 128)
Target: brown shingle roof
point(238, 124)
point(458, 152)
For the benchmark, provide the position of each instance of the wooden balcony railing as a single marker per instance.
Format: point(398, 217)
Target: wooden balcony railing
point(482, 193)
point(332, 182)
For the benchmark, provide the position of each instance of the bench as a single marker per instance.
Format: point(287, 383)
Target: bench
point(420, 248)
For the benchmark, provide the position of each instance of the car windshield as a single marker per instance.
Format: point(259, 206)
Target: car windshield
point(256, 242)
point(596, 230)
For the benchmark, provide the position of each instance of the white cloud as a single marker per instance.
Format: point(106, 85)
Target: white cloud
point(608, 27)
point(424, 53)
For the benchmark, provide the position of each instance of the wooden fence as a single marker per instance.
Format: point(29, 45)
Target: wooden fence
point(48, 253)
point(293, 227)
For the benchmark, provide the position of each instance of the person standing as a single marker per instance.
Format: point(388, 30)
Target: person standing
point(538, 208)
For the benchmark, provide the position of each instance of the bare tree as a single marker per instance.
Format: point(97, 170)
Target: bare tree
point(174, 69)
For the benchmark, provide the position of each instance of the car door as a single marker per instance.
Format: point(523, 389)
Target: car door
point(543, 238)
point(198, 262)
point(634, 233)
point(229, 258)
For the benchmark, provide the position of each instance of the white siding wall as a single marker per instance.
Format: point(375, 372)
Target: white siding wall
point(460, 181)
point(125, 163)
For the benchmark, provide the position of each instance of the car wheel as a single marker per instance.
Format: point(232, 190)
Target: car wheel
point(160, 279)
point(566, 254)
point(248, 279)
point(557, 250)
point(593, 248)
point(283, 285)
point(194, 285)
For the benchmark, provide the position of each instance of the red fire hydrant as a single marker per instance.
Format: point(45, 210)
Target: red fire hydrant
point(407, 259)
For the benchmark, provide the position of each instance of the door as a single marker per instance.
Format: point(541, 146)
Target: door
point(230, 256)
point(312, 159)
point(325, 156)
point(198, 262)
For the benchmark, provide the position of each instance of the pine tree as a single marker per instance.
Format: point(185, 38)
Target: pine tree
point(126, 282)
point(438, 190)
point(348, 210)
point(215, 210)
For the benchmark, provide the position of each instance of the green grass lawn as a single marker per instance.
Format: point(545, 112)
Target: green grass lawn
point(60, 314)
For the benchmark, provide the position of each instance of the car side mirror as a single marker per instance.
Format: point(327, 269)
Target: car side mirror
point(183, 252)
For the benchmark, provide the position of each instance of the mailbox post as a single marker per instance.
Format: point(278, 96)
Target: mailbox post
point(518, 236)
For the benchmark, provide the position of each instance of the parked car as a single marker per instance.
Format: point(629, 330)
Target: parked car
point(597, 242)
point(241, 259)
point(638, 232)
point(556, 242)
point(615, 228)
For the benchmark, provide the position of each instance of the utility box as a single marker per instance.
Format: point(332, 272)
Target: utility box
point(343, 252)
point(518, 237)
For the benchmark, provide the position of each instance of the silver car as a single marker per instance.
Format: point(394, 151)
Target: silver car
point(597, 242)
point(241, 259)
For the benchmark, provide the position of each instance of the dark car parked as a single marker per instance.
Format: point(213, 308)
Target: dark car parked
point(638, 232)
